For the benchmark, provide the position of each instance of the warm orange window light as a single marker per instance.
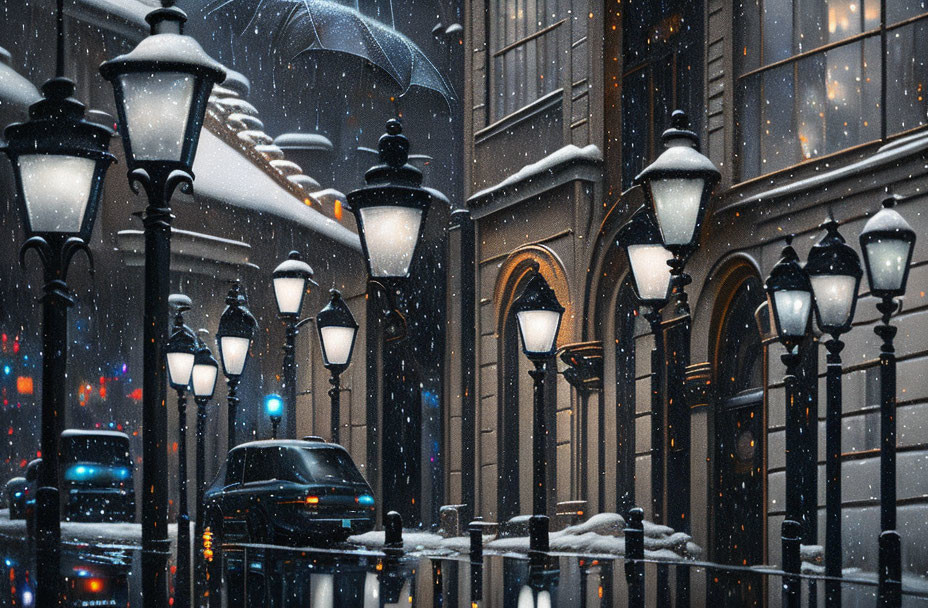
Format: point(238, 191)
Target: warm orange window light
point(94, 585)
point(24, 385)
point(312, 500)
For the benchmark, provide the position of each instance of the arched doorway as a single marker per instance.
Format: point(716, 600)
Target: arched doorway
point(514, 416)
point(740, 433)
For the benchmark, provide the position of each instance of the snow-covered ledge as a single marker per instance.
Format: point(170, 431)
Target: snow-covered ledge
point(888, 155)
point(563, 166)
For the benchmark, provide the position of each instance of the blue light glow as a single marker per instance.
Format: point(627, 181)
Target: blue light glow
point(7, 370)
point(274, 405)
point(366, 500)
point(17, 494)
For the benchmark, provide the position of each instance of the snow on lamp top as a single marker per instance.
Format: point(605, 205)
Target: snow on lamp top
point(678, 184)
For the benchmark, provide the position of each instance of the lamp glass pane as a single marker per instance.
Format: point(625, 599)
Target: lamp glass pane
point(650, 270)
point(792, 310)
point(336, 344)
point(391, 234)
point(834, 295)
point(180, 366)
point(886, 263)
point(56, 188)
point(204, 380)
point(234, 351)
point(676, 205)
point(289, 294)
point(538, 329)
point(157, 107)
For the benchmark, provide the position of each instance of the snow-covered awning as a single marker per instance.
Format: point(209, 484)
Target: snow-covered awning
point(225, 175)
point(16, 92)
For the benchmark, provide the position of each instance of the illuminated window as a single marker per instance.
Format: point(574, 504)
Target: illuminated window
point(524, 52)
point(662, 59)
point(815, 88)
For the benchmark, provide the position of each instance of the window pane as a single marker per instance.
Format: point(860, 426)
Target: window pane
point(636, 123)
point(778, 30)
point(779, 144)
point(905, 64)
point(853, 92)
point(749, 125)
point(900, 10)
point(811, 109)
point(747, 36)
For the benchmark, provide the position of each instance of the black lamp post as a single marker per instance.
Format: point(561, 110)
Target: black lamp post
point(236, 331)
point(337, 332)
point(161, 89)
point(678, 186)
point(789, 295)
point(203, 381)
point(291, 278)
point(887, 242)
point(180, 354)
point(648, 260)
point(834, 273)
point(274, 406)
point(539, 316)
point(390, 210)
point(59, 161)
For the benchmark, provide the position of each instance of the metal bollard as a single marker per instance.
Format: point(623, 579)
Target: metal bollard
point(792, 585)
point(890, 590)
point(393, 532)
point(634, 552)
point(475, 530)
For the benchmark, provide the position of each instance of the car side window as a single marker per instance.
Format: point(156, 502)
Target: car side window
point(261, 464)
point(234, 470)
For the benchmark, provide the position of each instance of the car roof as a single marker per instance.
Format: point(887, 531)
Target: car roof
point(93, 433)
point(287, 443)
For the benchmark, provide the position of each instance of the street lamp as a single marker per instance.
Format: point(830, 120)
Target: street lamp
point(203, 381)
point(337, 332)
point(887, 242)
point(291, 279)
point(538, 314)
point(390, 210)
point(180, 353)
point(677, 187)
point(274, 406)
point(834, 273)
point(59, 161)
point(789, 296)
point(236, 331)
point(161, 89)
point(649, 263)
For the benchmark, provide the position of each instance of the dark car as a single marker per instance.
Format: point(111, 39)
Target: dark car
point(96, 474)
point(288, 491)
point(15, 492)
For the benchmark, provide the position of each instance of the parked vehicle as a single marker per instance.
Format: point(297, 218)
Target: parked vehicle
point(15, 492)
point(288, 491)
point(96, 474)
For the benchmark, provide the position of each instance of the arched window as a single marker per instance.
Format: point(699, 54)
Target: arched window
point(625, 329)
point(738, 454)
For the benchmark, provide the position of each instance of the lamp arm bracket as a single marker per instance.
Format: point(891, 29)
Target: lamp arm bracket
point(40, 246)
point(305, 321)
point(72, 246)
point(178, 177)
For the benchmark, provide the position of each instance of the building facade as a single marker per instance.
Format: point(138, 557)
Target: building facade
point(809, 110)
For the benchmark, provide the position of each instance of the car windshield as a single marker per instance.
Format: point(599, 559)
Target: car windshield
point(307, 465)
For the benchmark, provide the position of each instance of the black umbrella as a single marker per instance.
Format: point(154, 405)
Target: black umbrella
point(290, 29)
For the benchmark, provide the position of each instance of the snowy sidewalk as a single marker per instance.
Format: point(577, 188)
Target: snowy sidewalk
point(117, 534)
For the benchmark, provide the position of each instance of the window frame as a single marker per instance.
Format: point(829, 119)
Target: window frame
point(882, 32)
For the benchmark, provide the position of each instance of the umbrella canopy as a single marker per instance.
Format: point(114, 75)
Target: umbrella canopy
point(290, 29)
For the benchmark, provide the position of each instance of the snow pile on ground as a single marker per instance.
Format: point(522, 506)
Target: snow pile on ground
point(602, 534)
point(112, 533)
